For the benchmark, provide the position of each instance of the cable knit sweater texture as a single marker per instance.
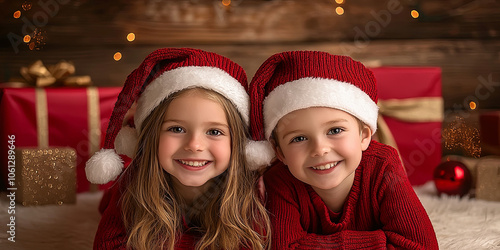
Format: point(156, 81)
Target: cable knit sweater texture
point(381, 211)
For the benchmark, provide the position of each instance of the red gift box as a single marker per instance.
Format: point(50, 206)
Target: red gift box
point(489, 124)
point(414, 92)
point(74, 118)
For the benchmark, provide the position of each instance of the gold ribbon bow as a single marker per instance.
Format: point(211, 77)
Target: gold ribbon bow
point(58, 74)
point(421, 109)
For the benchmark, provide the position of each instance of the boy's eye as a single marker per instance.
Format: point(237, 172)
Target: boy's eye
point(298, 139)
point(176, 129)
point(214, 132)
point(335, 131)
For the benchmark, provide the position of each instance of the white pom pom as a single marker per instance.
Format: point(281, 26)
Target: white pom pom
point(104, 166)
point(126, 141)
point(259, 154)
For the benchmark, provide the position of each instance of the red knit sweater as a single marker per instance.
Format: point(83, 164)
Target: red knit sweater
point(381, 210)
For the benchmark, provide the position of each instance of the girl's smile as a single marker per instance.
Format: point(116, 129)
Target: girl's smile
point(194, 165)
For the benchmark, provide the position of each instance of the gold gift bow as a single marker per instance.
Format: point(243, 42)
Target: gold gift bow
point(421, 109)
point(40, 76)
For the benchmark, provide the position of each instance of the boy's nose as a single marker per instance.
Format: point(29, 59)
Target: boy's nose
point(320, 148)
point(195, 143)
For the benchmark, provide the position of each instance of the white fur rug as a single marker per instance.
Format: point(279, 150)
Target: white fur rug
point(459, 223)
point(462, 223)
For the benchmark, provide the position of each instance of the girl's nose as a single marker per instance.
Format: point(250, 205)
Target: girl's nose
point(195, 143)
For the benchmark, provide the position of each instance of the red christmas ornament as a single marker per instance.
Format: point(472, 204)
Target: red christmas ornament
point(452, 178)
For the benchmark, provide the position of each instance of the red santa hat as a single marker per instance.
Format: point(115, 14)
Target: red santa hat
point(294, 80)
point(162, 73)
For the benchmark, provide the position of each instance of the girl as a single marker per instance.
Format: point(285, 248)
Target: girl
point(189, 185)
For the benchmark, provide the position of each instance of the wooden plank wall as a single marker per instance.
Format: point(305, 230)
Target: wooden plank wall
point(461, 37)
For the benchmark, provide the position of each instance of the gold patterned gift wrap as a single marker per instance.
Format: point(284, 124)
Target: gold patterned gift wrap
point(488, 178)
point(46, 176)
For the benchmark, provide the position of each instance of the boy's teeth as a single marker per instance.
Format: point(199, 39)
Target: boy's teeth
point(194, 163)
point(326, 166)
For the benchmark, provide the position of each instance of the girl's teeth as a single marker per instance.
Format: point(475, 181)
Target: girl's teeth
point(326, 166)
point(194, 163)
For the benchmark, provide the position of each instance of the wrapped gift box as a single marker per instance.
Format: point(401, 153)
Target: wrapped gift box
point(489, 124)
point(488, 178)
point(56, 117)
point(45, 176)
point(414, 92)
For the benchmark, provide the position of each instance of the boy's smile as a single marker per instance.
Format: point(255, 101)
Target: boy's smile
point(325, 168)
point(321, 146)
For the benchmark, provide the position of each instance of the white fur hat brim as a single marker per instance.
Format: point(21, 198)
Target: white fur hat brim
point(318, 92)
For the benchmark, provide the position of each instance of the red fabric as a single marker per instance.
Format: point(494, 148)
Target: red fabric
point(381, 211)
point(289, 66)
point(157, 63)
point(67, 121)
point(418, 143)
point(490, 128)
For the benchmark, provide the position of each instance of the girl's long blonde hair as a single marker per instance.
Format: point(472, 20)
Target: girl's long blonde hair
point(228, 216)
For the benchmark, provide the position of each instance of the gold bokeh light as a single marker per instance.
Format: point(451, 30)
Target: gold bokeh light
point(339, 11)
point(117, 56)
point(130, 37)
point(472, 105)
point(415, 14)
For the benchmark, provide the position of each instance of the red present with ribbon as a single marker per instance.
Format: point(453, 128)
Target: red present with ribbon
point(411, 114)
point(490, 132)
point(56, 117)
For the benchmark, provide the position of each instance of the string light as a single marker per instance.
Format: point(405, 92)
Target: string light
point(226, 2)
point(339, 1)
point(339, 10)
point(472, 105)
point(26, 6)
point(17, 14)
point(117, 56)
point(130, 37)
point(36, 40)
point(414, 14)
point(458, 135)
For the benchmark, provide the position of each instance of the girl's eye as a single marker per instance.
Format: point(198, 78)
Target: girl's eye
point(176, 129)
point(298, 139)
point(335, 131)
point(214, 132)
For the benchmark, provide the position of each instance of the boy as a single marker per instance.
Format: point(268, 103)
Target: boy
point(334, 186)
